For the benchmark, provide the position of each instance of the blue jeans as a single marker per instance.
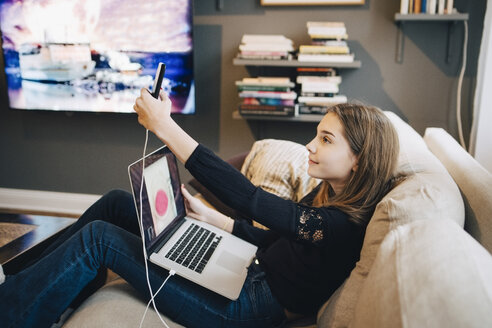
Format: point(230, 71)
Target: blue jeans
point(39, 294)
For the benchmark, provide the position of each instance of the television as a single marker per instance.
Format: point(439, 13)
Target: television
point(96, 55)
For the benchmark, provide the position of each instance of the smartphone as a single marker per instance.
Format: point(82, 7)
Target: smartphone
point(159, 75)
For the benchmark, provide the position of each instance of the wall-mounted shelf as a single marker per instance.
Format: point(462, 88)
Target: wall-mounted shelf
point(430, 17)
point(293, 63)
point(267, 64)
point(313, 118)
point(451, 19)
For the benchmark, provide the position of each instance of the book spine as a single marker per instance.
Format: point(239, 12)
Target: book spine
point(316, 71)
point(268, 101)
point(271, 110)
point(266, 57)
point(307, 109)
point(323, 101)
point(265, 47)
point(327, 37)
point(440, 7)
point(319, 87)
point(432, 7)
point(319, 30)
point(449, 7)
point(318, 79)
point(417, 6)
point(325, 24)
point(268, 94)
point(324, 50)
point(259, 38)
point(404, 7)
point(262, 88)
point(317, 94)
point(348, 58)
point(423, 8)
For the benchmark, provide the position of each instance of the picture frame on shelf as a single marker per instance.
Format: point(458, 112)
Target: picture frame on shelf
point(311, 2)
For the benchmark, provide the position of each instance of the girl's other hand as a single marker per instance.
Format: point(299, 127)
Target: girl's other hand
point(199, 211)
point(195, 207)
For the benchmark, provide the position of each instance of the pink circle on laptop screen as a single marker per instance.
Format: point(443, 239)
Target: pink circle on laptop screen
point(161, 202)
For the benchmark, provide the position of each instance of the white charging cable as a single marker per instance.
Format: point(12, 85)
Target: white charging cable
point(142, 232)
point(460, 85)
point(171, 273)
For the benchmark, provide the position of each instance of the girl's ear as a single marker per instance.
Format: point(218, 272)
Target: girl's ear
point(355, 167)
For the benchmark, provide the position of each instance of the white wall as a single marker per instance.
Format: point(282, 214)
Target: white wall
point(481, 134)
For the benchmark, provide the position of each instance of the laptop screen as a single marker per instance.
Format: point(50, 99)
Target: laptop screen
point(162, 200)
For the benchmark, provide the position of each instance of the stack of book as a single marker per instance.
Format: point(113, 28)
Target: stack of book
point(257, 46)
point(328, 43)
point(319, 89)
point(271, 96)
point(439, 7)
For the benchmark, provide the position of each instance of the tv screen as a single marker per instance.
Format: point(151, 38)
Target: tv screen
point(96, 55)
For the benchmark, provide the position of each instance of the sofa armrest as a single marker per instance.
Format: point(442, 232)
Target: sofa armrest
point(474, 181)
point(427, 274)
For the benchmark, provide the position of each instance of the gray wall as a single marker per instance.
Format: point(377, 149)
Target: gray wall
point(89, 152)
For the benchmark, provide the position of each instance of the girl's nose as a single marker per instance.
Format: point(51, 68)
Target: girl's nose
point(310, 147)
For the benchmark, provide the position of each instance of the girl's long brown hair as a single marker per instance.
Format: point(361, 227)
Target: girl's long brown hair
point(374, 141)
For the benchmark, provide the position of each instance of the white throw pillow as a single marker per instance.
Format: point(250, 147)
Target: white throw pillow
point(279, 167)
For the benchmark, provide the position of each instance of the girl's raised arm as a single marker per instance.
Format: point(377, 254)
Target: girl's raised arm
point(155, 115)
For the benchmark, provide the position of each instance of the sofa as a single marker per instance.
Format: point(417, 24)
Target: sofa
point(426, 258)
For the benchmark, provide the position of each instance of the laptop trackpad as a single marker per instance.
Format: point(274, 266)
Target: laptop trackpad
point(231, 262)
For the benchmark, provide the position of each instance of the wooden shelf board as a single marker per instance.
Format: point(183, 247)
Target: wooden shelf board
point(430, 17)
point(313, 118)
point(293, 63)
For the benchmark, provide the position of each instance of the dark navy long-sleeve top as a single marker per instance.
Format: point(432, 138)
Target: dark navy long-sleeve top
point(308, 251)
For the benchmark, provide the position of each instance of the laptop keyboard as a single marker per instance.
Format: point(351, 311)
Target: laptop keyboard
point(194, 248)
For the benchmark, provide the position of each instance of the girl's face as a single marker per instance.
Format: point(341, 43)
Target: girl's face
point(330, 156)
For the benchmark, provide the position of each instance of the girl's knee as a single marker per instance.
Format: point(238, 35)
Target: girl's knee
point(95, 228)
point(117, 195)
point(99, 231)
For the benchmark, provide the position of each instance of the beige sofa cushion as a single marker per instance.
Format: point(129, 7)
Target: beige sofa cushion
point(474, 181)
point(427, 274)
point(428, 193)
point(117, 304)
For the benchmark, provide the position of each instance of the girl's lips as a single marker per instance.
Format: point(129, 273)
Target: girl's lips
point(311, 162)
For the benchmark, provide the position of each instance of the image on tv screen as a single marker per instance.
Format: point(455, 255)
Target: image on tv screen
point(96, 55)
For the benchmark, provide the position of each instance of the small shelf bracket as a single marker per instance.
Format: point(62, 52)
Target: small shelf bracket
point(400, 36)
point(449, 53)
point(399, 43)
point(220, 5)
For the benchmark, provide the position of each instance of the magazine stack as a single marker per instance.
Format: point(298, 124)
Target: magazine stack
point(318, 89)
point(257, 46)
point(328, 43)
point(269, 96)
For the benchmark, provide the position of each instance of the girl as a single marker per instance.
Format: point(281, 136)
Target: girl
point(308, 251)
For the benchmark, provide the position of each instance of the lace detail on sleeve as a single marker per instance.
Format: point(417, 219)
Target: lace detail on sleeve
point(310, 226)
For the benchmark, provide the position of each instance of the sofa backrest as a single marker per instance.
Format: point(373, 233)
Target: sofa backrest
point(428, 193)
point(428, 273)
point(474, 181)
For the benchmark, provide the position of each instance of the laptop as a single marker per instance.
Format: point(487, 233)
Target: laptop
point(197, 251)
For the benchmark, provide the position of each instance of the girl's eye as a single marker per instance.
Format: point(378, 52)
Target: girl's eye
point(326, 139)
